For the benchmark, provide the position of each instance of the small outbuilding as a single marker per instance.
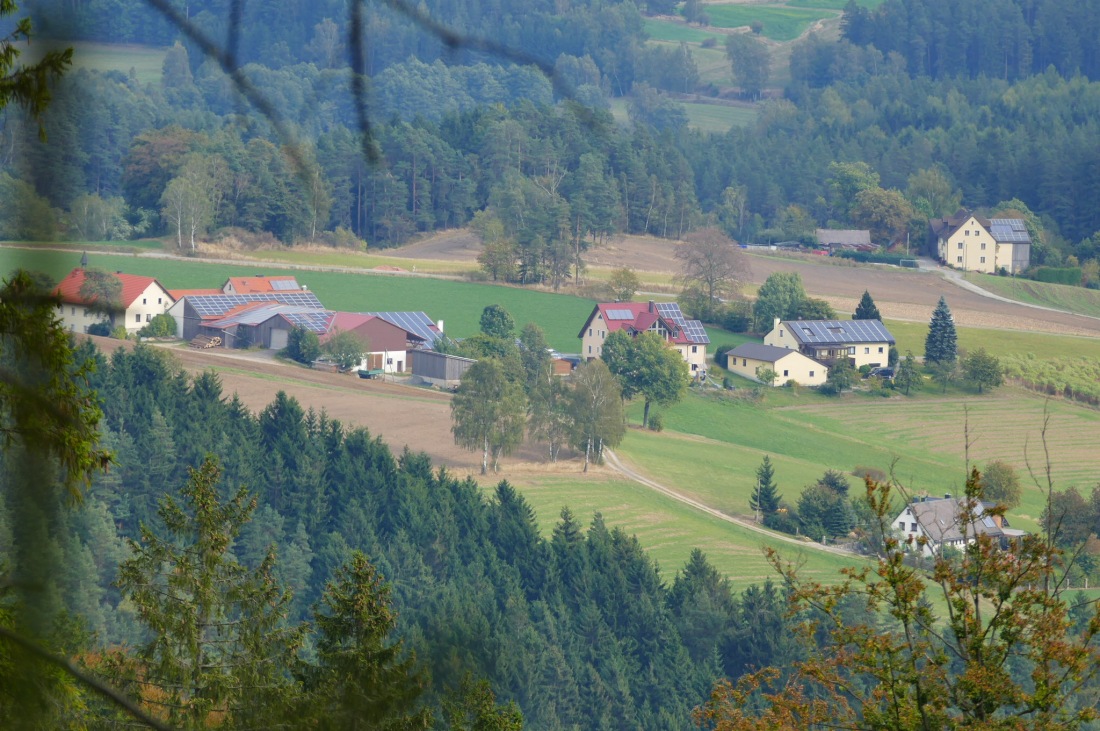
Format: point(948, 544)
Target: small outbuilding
point(439, 369)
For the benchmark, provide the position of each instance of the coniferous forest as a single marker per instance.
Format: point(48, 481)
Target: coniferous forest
point(580, 630)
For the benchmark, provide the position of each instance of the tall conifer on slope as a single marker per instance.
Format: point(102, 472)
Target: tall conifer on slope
point(866, 309)
point(765, 495)
point(941, 345)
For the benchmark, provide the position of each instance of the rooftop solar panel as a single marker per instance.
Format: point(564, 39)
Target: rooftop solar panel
point(417, 323)
point(284, 285)
point(620, 315)
point(213, 305)
point(694, 330)
point(671, 311)
point(1009, 230)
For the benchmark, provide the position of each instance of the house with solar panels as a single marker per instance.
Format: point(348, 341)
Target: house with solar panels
point(974, 244)
point(664, 318)
point(862, 342)
point(260, 284)
point(141, 299)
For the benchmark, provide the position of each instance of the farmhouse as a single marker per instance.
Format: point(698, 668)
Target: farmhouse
point(933, 523)
point(788, 365)
point(969, 242)
point(142, 298)
point(687, 336)
point(862, 342)
point(387, 344)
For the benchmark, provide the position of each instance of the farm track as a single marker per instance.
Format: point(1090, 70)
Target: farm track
point(619, 466)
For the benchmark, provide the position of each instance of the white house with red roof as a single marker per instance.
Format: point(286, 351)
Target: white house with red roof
point(142, 299)
point(664, 318)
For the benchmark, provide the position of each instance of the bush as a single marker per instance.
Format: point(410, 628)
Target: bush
point(720, 354)
point(119, 333)
point(161, 326)
point(101, 328)
point(727, 383)
point(1059, 275)
point(784, 520)
point(656, 423)
point(863, 472)
point(737, 317)
point(709, 42)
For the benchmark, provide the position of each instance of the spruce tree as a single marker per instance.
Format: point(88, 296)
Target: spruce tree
point(941, 345)
point(765, 495)
point(866, 309)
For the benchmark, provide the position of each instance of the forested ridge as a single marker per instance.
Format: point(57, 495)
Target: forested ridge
point(461, 134)
point(582, 630)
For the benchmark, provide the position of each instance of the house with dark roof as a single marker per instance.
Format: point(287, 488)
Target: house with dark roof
point(142, 299)
point(930, 524)
point(788, 365)
point(862, 342)
point(972, 243)
point(664, 318)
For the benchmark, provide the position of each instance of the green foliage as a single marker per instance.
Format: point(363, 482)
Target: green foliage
point(841, 375)
point(765, 494)
point(218, 645)
point(1076, 378)
point(908, 375)
point(1055, 275)
point(645, 365)
point(874, 257)
point(345, 349)
point(302, 345)
point(656, 423)
point(596, 408)
point(944, 373)
point(161, 326)
point(982, 369)
point(497, 323)
point(102, 290)
point(812, 308)
point(940, 346)
point(751, 63)
point(101, 328)
point(623, 283)
point(476, 709)
point(361, 673)
point(1001, 484)
point(866, 309)
point(766, 375)
point(488, 412)
point(780, 296)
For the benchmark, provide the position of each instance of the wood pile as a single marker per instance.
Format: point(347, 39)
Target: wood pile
point(201, 342)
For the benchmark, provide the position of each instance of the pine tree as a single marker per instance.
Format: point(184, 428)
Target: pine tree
point(765, 495)
point(866, 309)
point(941, 345)
point(218, 648)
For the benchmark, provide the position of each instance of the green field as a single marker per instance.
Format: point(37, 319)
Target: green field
point(669, 529)
point(1059, 296)
point(831, 4)
point(458, 304)
point(665, 30)
point(146, 62)
point(780, 23)
point(911, 335)
point(718, 118)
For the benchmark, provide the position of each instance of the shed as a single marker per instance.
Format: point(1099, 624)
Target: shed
point(439, 369)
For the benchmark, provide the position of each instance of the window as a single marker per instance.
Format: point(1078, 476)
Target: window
point(852, 350)
point(72, 310)
point(590, 350)
point(901, 525)
point(85, 312)
point(811, 374)
point(389, 361)
point(780, 333)
point(880, 348)
point(982, 260)
point(866, 351)
point(148, 317)
point(960, 244)
point(590, 332)
point(603, 333)
point(143, 301)
point(958, 260)
point(967, 232)
point(159, 301)
point(694, 367)
point(137, 317)
point(744, 362)
point(694, 348)
point(785, 374)
point(912, 526)
point(983, 246)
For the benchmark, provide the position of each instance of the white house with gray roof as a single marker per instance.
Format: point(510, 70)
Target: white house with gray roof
point(788, 365)
point(862, 342)
point(929, 524)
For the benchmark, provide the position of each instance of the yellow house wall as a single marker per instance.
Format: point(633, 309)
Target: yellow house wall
point(594, 335)
point(973, 249)
point(794, 366)
point(872, 354)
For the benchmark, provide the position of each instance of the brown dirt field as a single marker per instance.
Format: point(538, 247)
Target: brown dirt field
point(899, 294)
point(402, 415)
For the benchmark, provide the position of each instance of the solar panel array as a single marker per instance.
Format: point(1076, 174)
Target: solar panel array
point(284, 285)
point(620, 315)
point(213, 305)
point(1009, 230)
point(316, 320)
point(417, 323)
point(671, 312)
point(694, 330)
point(839, 331)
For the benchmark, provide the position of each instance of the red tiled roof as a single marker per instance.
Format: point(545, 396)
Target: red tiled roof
point(348, 321)
point(258, 284)
point(133, 285)
point(177, 293)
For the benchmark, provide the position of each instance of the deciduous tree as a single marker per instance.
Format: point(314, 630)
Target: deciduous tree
point(488, 412)
point(908, 375)
point(750, 61)
point(982, 369)
point(346, 349)
point(302, 345)
point(712, 269)
point(623, 283)
point(780, 296)
point(645, 365)
point(496, 322)
point(596, 405)
point(1001, 484)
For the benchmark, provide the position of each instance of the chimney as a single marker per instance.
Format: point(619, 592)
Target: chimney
point(775, 323)
point(439, 324)
point(652, 307)
point(305, 288)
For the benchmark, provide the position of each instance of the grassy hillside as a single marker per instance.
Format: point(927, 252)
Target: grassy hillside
point(781, 23)
point(1058, 296)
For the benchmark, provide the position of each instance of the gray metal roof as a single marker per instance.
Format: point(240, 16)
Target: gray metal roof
point(759, 351)
point(940, 518)
point(843, 237)
point(838, 332)
point(417, 323)
point(1009, 230)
